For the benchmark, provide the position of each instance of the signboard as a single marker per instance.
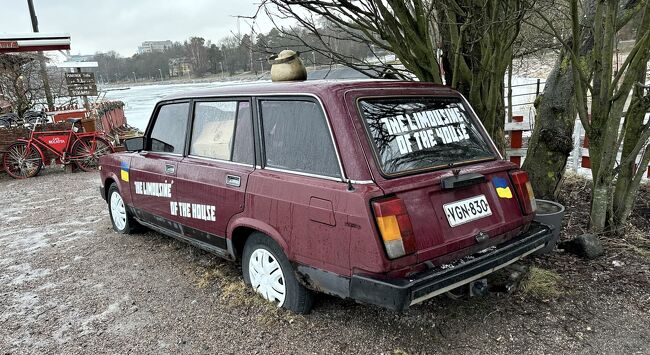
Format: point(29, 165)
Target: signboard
point(81, 84)
point(82, 90)
point(79, 78)
point(8, 44)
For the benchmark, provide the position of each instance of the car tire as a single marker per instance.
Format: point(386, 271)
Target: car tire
point(267, 270)
point(121, 218)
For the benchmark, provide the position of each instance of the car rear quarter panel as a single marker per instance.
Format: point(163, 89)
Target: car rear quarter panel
point(345, 136)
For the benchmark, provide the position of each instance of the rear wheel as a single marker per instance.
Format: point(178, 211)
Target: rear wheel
point(87, 150)
point(121, 218)
point(268, 271)
point(22, 161)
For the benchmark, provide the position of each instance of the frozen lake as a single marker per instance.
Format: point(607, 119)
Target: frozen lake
point(140, 100)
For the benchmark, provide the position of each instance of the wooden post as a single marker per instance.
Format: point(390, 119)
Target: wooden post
point(586, 162)
point(86, 105)
point(510, 118)
point(41, 60)
point(516, 140)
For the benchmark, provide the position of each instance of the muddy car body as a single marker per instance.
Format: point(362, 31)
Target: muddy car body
point(386, 192)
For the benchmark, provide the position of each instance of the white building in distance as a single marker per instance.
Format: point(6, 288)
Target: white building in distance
point(154, 46)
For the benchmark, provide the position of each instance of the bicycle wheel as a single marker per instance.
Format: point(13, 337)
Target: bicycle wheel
point(21, 161)
point(87, 150)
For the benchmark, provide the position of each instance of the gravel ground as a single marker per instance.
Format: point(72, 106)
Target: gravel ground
point(69, 284)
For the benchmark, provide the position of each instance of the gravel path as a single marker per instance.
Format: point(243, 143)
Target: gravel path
point(69, 284)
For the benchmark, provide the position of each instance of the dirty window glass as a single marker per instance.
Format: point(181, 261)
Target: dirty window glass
point(168, 134)
point(297, 138)
point(213, 128)
point(422, 132)
point(243, 148)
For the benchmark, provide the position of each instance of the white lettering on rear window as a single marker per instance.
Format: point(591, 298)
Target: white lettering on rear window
point(426, 128)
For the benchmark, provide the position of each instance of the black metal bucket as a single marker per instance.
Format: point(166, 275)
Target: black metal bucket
point(550, 213)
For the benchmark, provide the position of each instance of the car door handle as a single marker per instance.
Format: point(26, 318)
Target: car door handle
point(170, 169)
point(233, 180)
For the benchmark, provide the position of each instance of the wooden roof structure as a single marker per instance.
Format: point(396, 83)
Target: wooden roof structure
point(33, 42)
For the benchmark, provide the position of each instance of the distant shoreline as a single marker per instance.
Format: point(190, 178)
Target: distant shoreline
point(184, 80)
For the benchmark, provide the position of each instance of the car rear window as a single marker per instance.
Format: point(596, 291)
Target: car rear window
point(417, 133)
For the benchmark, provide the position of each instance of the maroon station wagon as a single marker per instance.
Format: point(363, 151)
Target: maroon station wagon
point(385, 192)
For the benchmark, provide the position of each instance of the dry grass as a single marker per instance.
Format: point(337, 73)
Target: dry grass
point(210, 276)
point(234, 293)
point(634, 239)
point(541, 283)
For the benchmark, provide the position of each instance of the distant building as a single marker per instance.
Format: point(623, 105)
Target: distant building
point(179, 67)
point(154, 46)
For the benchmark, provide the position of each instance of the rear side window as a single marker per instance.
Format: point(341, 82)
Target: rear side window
point(297, 138)
point(222, 130)
point(213, 129)
point(170, 127)
point(416, 133)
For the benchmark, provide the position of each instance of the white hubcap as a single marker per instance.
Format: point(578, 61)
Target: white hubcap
point(266, 276)
point(118, 211)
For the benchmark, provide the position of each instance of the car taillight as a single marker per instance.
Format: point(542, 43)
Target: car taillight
point(524, 191)
point(394, 226)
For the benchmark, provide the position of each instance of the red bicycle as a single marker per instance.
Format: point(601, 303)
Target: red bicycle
point(25, 157)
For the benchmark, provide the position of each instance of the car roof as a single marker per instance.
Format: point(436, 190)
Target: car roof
point(313, 87)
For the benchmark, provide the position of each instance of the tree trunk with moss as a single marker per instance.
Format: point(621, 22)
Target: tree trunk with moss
point(551, 142)
point(630, 172)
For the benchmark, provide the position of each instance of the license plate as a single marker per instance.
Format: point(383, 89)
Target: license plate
point(467, 210)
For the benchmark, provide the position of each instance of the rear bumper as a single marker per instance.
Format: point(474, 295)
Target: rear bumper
point(399, 294)
point(102, 192)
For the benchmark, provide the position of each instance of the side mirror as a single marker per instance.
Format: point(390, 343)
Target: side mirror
point(134, 144)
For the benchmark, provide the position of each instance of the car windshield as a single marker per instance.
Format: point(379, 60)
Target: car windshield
point(417, 133)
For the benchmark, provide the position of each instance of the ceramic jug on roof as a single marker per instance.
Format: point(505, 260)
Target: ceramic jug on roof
point(287, 66)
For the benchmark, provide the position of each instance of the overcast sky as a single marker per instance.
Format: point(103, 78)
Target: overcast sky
point(121, 25)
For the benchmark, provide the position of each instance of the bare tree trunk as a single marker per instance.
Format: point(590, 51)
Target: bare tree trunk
point(551, 142)
point(625, 194)
point(629, 176)
point(599, 205)
point(609, 95)
point(46, 82)
point(625, 186)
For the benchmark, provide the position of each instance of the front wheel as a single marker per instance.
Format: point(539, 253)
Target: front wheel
point(22, 161)
point(87, 150)
point(121, 218)
point(268, 271)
